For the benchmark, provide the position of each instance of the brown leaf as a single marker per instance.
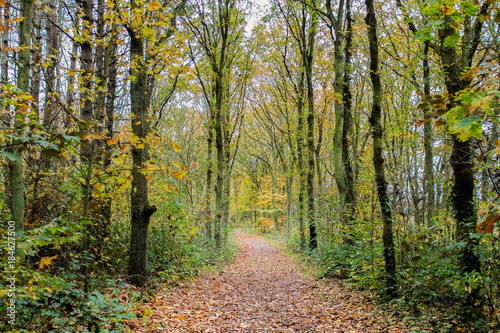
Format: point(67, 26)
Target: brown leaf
point(487, 226)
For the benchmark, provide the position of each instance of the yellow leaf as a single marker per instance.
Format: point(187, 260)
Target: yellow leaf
point(47, 261)
point(176, 146)
point(448, 10)
point(456, 25)
point(178, 174)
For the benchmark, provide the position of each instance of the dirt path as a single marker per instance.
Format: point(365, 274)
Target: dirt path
point(262, 291)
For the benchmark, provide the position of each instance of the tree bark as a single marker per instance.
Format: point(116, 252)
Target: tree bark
point(36, 68)
point(52, 37)
point(349, 211)
point(300, 160)
point(350, 206)
point(308, 61)
point(23, 83)
point(429, 156)
point(70, 93)
point(6, 118)
point(208, 190)
point(461, 157)
point(378, 158)
point(141, 211)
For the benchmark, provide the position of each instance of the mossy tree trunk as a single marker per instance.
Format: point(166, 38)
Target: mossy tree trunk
point(378, 149)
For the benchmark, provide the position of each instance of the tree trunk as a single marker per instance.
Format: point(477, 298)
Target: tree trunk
point(70, 93)
point(378, 158)
point(219, 186)
point(23, 83)
point(308, 61)
point(36, 68)
point(349, 211)
point(141, 211)
point(429, 156)
point(106, 211)
point(338, 163)
point(274, 172)
point(300, 160)
point(461, 159)
point(208, 190)
point(52, 37)
point(6, 118)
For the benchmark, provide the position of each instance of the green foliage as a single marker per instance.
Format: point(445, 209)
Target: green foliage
point(474, 110)
point(430, 278)
point(49, 294)
point(177, 250)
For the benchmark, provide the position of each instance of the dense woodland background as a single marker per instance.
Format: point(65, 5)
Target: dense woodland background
point(137, 134)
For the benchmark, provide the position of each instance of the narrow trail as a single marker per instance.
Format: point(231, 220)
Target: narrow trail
point(261, 291)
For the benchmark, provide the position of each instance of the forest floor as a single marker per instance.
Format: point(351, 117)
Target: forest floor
point(262, 291)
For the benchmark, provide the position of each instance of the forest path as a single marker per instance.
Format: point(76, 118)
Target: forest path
point(261, 291)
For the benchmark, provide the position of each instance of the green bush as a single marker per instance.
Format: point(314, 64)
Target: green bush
point(49, 294)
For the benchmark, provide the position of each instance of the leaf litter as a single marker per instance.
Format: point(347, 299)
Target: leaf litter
point(262, 291)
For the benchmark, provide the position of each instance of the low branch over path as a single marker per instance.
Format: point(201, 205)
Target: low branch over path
point(262, 291)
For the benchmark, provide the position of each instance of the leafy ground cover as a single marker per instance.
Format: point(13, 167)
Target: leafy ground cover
point(264, 290)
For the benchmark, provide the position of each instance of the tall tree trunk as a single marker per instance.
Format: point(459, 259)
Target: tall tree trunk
point(350, 197)
point(429, 156)
point(6, 118)
point(378, 158)
point(461, 158)
point(141, 211)
point(338, 163)
point(227, 161)
point(219, 145)
point(87, 147)
point(5, 41)
point(86, 74)
point(208, 189)
point(23, 82)
point(300, 160)
point(140, 95)
point(36, 68)
point(308, 61)
point(52, 38)
point(274, 175)
point(106, 211)
point(70, 93)
point(289, 203)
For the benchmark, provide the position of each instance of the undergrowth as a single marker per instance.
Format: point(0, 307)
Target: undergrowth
point(60, 287)
point(432, 289)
